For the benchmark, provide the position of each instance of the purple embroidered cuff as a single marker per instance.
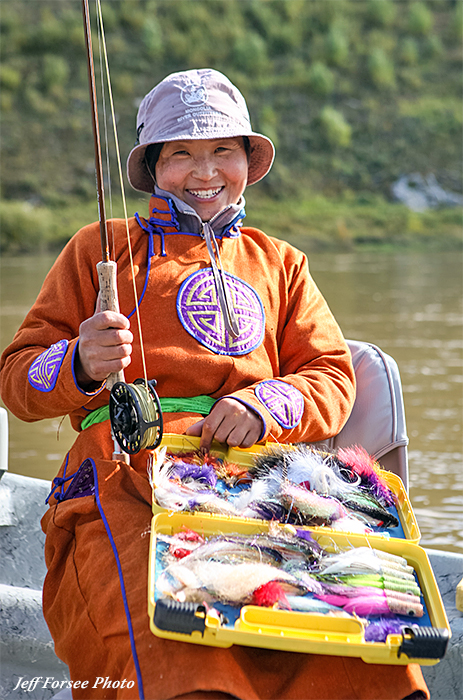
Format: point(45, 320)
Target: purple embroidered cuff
point(43, 372)
point(284, 402)
point(199, 312)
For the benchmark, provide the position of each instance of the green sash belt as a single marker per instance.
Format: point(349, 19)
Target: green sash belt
point(188, 404)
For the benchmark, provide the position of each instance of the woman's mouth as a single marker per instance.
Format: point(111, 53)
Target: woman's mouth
point(206, 194)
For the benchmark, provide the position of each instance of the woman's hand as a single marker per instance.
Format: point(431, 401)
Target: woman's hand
point(229, 422)
point(105, 346)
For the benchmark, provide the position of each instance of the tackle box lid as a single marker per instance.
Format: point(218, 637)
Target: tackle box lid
point(408, 526)
point(271, 628)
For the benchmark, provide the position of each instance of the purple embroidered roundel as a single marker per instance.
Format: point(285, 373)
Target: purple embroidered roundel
point(283, 401)
point(199, 311)
point(44, 371)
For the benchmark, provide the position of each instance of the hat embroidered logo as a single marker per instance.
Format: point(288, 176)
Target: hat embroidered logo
point(193, 95)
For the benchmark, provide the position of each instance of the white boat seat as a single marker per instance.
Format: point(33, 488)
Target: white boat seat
point(377, 420)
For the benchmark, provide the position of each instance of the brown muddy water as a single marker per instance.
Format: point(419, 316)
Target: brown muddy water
point(407, 303)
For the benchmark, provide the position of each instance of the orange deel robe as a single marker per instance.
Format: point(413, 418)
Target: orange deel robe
point(88, 602)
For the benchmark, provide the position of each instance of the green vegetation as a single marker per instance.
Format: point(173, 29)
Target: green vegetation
point(354, 94)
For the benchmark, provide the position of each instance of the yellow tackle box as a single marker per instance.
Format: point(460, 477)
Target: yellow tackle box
point(424, 643)
point(408, 528)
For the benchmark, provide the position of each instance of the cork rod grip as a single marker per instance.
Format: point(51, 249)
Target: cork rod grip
point(107, 276)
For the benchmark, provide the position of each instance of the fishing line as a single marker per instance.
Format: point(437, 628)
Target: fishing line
point(121, 181)
point(137, 424)
point(106, 139)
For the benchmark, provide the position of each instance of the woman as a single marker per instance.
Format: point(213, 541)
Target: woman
point(227, 313)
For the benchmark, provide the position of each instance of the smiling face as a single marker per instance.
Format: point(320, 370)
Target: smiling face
point(207, 174)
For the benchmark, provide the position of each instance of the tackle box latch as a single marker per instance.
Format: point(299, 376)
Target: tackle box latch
point(185, 618)
point(424, 642)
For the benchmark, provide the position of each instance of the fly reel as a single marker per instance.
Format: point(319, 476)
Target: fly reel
point(136, 415)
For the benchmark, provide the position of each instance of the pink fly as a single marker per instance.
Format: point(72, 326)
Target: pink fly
point(301, 500)
point(379, 603)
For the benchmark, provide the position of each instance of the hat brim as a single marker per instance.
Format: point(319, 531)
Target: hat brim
point(260, 161)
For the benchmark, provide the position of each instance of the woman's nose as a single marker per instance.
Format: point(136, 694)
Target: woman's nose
point(205, 168)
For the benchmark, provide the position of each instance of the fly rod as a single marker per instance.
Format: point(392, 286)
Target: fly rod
point(134, 409)
point(107, 268)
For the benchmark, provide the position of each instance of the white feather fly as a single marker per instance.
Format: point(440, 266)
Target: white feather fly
point(229, 583)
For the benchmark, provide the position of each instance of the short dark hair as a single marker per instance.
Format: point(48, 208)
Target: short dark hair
point(152, 154)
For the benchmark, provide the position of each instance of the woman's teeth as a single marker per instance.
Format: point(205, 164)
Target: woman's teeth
point(205, 194)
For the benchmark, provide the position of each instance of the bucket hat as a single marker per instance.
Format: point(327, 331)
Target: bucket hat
point(195, 104)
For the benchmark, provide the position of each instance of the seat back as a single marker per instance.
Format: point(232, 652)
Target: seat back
point(377, 420)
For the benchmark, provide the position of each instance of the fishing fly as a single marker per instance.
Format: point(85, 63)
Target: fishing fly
point(298, 485)
point(286, 569)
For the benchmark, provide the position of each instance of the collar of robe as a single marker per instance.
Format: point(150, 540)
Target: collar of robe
point(170, 214)
point(189, 221)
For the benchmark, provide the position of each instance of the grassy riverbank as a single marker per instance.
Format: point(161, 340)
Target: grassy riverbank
point(354, 95)
point(355, 220)
point(350, 221)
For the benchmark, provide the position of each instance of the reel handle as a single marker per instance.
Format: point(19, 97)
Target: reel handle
point(109, 301)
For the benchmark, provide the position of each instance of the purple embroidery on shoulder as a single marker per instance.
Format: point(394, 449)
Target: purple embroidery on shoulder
point(44, 371)
point(283, 401)
point(200, 314)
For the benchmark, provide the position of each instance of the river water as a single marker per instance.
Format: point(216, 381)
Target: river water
point(407, 303)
